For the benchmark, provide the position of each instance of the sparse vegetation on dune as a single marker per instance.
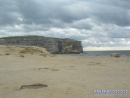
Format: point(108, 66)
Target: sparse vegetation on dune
point(21, 50)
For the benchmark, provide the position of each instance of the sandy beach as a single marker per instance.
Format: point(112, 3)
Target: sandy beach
point(62, 76)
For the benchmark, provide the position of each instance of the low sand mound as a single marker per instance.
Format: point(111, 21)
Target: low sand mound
point(10, 50)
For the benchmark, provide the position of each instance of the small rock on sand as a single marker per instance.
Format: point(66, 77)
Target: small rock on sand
point(43, 54)
point(21, 55)
point(7, 54)
point(116, 55)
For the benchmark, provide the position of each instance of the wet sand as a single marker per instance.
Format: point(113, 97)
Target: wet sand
point(63, 76)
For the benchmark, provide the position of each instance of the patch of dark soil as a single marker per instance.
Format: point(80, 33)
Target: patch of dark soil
point(34, 86)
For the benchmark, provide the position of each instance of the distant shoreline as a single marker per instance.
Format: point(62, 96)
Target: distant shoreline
point(107, 52)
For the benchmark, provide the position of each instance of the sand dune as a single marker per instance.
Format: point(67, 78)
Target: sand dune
point(15, 50)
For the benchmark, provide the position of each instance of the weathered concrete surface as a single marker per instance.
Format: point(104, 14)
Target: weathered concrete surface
point(53, 45)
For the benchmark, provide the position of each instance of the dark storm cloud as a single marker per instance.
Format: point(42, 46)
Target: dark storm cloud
point(8, 12)
point(111, 11)
point(44, 12)
point(47, 13)
point(116, 16)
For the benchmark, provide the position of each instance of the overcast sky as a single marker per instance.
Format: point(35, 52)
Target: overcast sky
point(99, 24)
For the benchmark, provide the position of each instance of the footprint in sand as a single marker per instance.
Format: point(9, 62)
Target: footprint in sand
point(52, 69)
point(96, 63)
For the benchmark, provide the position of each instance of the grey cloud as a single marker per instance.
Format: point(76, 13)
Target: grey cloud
point(77, 37)
point(110, 42)
point(110, 14)
point(34, 12)
point(42, 12)
point(119, 35)
point(116, 3)
point(95, 22)
point(117, 31)
point(82, 24)
point(8, 12)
